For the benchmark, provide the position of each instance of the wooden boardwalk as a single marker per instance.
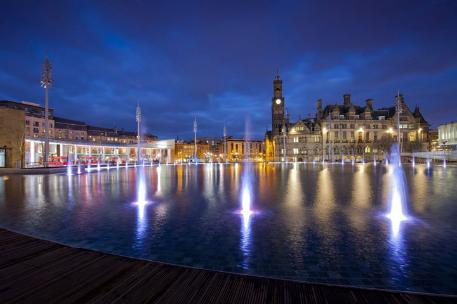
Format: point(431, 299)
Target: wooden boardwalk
point(37, 271)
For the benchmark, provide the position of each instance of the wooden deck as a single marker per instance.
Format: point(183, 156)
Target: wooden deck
point(37, 271)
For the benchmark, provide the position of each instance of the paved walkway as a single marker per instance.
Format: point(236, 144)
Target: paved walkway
point(37, 271)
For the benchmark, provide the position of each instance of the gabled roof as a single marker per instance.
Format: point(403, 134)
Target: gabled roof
point(419, 117)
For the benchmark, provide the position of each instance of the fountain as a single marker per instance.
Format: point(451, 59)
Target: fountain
point(107, 166)
point(413, 162)
point(117, 164)
point(69, 169)
point(342, 159)
point(397, 212)
point(79, 168)
point(444, 163)
point(88, 169)
point(98, 165)
point(428, 163)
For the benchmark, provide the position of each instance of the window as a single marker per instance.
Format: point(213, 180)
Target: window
point(27, 122)
point(296, 139)
point(2, 158)
point(35, 130)
point(295, 150)
point(352, 126)
point(36, 124)
point(382, 118)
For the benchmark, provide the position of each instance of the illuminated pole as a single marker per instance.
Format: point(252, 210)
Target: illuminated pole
point(225, 143)
point(195, 139)
point(398, 122)
point(284, 142)
point(46, 81)
point(138, 121)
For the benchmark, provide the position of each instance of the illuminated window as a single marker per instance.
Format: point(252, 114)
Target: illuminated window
point(295, 150)
point(296, 139)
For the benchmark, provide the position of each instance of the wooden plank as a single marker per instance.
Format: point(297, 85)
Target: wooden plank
point(38, 271)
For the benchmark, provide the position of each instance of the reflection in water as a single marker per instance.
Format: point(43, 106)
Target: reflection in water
point(315, 220)
point(159, 187)
point(246, 213)
point(141, 204)
point(361, 189)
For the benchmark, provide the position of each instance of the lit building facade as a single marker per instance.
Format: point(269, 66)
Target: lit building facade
point(447, 135)
point(363, 133)
point(22, 140)
point(238, 150)
point(344, 132)
point(185, 151)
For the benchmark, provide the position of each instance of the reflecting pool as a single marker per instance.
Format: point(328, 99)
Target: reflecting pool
point(312, 222)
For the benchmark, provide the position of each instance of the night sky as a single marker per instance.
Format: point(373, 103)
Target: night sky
point(217, 61)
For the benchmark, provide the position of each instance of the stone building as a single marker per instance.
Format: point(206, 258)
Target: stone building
point(22, 136)
point(345, 131)
point(185, 151)
point(447, 135)
point(12, 136)
point(238, 150)
point(297, 141)
point(364, 133)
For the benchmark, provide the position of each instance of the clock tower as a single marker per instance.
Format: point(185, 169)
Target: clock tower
point(277, 107)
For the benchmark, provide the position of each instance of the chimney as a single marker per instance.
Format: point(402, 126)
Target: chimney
point(347, 99)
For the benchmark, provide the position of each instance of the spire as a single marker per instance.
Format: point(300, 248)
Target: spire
point(138, 112)
point(46, 75)
point(277, 74)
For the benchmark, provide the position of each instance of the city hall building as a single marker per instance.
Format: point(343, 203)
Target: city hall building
point(344, 131)
point(22, 140)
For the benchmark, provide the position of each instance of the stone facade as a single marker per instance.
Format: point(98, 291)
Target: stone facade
point(447, 135)
point(12, 132)
point(345, 131)
point(351, 131)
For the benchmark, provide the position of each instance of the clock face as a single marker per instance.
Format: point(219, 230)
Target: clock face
point(278, 101)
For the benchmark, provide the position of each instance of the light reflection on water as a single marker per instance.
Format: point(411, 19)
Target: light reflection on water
point(304, 221)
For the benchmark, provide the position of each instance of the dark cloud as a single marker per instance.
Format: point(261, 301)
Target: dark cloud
point(216, 60)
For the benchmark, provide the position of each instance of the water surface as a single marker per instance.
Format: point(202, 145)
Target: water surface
point(320, 223)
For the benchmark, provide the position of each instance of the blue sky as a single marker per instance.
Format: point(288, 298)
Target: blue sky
point(216, 60)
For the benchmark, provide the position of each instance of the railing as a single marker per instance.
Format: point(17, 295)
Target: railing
point(448, 155)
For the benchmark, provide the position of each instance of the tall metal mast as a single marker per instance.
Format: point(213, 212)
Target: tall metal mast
point(398, 122)
point(46, 82)
point(195, 139)
point(225, 143)
point(138, 121)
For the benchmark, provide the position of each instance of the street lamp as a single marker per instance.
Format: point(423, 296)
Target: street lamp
point(46, 82)
point(138, 121)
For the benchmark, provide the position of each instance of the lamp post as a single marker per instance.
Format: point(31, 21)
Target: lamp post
point(284, 132)
point(398, 122)
point(195, 139)
point(324, 132)
point(46, 82)
point(138, 121)
point(225, 144)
